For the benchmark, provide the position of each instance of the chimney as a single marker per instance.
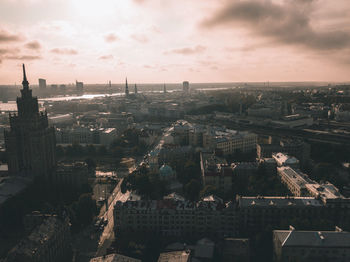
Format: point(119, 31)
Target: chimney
point(338, 229)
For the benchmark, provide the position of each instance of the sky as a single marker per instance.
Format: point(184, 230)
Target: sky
point(156, 41)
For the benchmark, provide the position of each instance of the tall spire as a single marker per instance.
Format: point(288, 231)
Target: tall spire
point(126, 87)
point(25, 82)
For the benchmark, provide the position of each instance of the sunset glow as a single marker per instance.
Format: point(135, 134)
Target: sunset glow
point(156, 41)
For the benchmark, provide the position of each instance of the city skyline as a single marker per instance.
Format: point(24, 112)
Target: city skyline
point(206, 41)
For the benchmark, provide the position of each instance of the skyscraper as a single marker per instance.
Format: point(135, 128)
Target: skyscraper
point(186, 86)
point(126, 87)
point(30, 142)
point(135, 89)
point(42, 83)
point(164, 89)
point(79, 85)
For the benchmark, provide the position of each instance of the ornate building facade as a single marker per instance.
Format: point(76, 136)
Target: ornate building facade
point(30, 142)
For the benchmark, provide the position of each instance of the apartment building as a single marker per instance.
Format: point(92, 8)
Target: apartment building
point(323, 246)
point(215, 171)
point(176, 217)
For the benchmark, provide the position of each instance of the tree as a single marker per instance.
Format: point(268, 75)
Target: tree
point(90, 163)
point(102, 150)
point(208, 190)
point(91, 150)
point(322, 171)
point(123, 186)
point(117, 151)
point(59, 151)
point(191, 171)
point(85, 209)
point(192, 190)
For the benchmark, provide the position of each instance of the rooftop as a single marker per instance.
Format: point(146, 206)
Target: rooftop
point(175, 256)
point(321, 239)
point(114, 258)
point(38, 237)
point(327, 190)
point(279, 202)
point(295, 175)
point(211, 202)
point(284, 159)
point(11, 186)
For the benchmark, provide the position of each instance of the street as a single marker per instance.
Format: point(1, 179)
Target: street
point(107, 235)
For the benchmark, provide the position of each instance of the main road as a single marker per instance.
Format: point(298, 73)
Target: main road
point(107, 235)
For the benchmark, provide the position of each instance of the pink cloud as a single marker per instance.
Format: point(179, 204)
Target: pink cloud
point(140, 38)
point(64, 51)
point(8, 37)
point(187, 50)
point(34, 45)
point(110, 38)
point(106, 57)
point(23, 57)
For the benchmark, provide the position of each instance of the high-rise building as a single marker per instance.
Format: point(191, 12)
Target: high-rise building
point(126, 87)
point(42, 83)
point(30, 142)
point(135, 89)
point(186, 86)
point(164, 89)
point(79, 85)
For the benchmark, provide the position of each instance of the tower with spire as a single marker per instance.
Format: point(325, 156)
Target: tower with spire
point(126, 87)
point(30, 142)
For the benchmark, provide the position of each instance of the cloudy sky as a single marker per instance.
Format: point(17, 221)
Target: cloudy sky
point(172, 40)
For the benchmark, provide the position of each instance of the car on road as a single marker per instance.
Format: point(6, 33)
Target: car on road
point(99, 222)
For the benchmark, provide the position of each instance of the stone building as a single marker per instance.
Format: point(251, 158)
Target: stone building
point(236, 250)
point(48, 240)
point(114, 258)
point(216, 172)
point(30, 142)
point(293, 147)
point(322, 246)
point(285, 160)
point(255, 213)
point(175, 217)
point(295, 180)
point(72, 175)
point(175, 256)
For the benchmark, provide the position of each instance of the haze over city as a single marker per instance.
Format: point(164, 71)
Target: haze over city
point(174, 131)
point(168, 41)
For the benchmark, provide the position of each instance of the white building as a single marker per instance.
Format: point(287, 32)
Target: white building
point(231, 141)
point(285, 160)
point(295, 180)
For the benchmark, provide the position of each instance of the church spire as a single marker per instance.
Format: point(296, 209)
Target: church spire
point(25, 82)
point(126, 87)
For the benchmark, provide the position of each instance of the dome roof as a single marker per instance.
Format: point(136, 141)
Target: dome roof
point(166, 171)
